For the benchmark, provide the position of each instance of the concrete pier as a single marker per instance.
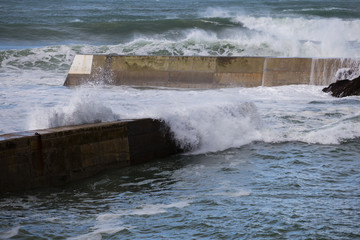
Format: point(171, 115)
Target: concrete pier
point(56, 156)
point(204, 72)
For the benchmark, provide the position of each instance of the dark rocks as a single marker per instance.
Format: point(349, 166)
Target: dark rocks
point(344, 88)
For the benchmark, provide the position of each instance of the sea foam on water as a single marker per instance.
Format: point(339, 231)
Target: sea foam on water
point(201, 121)
point(214, 120)
point(269, 185)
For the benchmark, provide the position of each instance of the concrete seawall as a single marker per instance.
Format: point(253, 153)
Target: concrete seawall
point(56, 156)
point(204, 72)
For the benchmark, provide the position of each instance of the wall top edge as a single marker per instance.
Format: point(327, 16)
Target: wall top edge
point(205, 56)
point(32, 133)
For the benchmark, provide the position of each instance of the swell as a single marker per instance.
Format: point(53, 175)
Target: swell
point(326, 12)
point(239, 35)
point(109, 32)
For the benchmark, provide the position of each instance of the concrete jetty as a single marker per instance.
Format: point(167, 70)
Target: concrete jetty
point(53, 157)
point(204, 72)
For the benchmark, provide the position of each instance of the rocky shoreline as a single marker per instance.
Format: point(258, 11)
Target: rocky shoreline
point(344, 88)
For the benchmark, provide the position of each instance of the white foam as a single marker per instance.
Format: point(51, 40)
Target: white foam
point(153, 209)
point(107, 223)
point(348, 73)
point(333, 133)
point(110, 223)
point(10, 233)
point(205, 128)
point(329, 71)
point(97, 232)
point(145, 182)
point(305, 37)
point(82, 108)
point(147, 209)
point(214, 120)
point(259, 36)
point(108, 217)
point(204, 121)
point(227, 189)
point(233, 194)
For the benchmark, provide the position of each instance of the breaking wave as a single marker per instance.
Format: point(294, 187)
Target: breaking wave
point(216, 120)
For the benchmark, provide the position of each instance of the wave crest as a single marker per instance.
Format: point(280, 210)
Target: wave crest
point(202, 129)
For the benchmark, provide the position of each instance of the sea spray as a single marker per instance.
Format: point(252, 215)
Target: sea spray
point(197, 124)
point(214, 120)
point(326, 71)
point(81, 109)
point(81, 113)
point(276, 187)
point(301, 37)
point(205, 128)
point(239, 35)
point(349, 73)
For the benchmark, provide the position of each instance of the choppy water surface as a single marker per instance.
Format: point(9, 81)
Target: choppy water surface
point(274, 191)
point(264, 163)
point(261, 167)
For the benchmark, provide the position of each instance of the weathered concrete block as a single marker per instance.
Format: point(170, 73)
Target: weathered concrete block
point(146, 63)
point(15, 177)
point(192, 77)
point(104, 152)
point(99, 62)
point(82, 68)
point(117, 63)
point(273, 78)
point(286, 71)
point(192, 64)
point(82, 64)
point(323, 71)
point(144, 78)
point(145, 144)
point(204, 64)
point(288, 64)
point(188, 71)
point(238, 79)
point(57, 156)
point(239, 64)
point(76, 80)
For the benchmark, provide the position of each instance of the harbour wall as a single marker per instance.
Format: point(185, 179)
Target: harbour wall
point(56, 156)
point(204, 72)
point(53, 157)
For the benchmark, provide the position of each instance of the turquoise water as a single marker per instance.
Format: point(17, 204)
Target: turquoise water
point(265, 162)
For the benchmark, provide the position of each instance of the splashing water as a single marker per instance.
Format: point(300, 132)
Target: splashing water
point(214, 120)
point(265, 162)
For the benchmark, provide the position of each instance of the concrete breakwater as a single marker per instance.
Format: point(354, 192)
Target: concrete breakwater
point(56, 156)
point(205, 72)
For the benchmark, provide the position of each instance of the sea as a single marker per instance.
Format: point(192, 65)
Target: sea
point(263, 163)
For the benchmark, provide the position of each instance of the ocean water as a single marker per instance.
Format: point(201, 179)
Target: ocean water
point(263, 163)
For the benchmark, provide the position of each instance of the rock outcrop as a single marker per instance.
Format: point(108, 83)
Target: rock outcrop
point(344, 88)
